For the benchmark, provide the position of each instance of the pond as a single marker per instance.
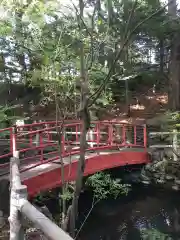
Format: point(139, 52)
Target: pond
point(148, 212)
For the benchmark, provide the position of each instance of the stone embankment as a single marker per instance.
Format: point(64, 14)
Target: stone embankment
point(165, 172)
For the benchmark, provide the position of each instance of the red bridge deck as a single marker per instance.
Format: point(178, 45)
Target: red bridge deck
point(110, 144)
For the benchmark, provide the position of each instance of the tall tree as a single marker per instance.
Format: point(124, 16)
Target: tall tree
point(83, 84)
point(174, 96)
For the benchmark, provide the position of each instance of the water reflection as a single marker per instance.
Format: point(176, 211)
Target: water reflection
point(148, 213)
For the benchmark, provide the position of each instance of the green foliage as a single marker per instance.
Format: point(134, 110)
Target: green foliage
point(43, 196)
point(104, 186)
point(3, 115)
point(7, 118)
point(170, 121)
point(68, 195)
point(153, 234)
point(6, 114)
point(43, 44)
point(5, 28)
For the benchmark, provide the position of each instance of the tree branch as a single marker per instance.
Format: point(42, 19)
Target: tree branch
point(97, 94)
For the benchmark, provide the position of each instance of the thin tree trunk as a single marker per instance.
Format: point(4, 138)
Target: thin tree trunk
point(85, 117)
point(60, 131)
point(161, 53)
point(110, 11)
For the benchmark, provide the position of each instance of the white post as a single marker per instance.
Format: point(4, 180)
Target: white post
point(90, 137)
point(20, 123)
point(37, 139)
point(14, 143)
point(18, 193)
point(175, 144)
point(19, 206)
point(118, 133)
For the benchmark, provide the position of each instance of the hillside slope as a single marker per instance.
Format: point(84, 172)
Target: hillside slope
point(142, 107)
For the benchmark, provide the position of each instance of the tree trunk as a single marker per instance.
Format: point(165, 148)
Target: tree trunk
point(85, 117)
point(175, 74)
point(161, 55)
point(110, 11)
point(19, 30)
point(174, 86)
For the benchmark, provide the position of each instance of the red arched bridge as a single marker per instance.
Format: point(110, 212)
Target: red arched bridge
point(110, 144)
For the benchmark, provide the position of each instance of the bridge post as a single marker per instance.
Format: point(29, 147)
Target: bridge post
point(37, 139)
point(13, 142)
point(145, 136)
point(17, 195)
point(118, 133)
point(90, 137)
point(175, 143)
point(20, 206)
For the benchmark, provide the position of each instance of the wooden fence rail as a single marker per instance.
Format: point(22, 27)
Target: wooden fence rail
point(20, 206)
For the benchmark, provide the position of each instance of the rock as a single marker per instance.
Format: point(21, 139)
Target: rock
point(157, 175)
point(146, 182)
point(148, 166)
point(145, 177)
point(160, 181)
point(34, 234)
point(175, 187)
point(169, 177)
point(177, 181)
point(153, 170)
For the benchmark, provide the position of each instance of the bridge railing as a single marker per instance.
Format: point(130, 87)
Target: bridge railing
point(109, 129)
point(20, 206)
point(39, 143)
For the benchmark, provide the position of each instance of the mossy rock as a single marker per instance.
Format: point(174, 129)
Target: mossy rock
point(175, 187)
point(157, 175)
point(146, 182)
point(177, 181)
point(148, 166)
point(160, 181)
point(169, 177)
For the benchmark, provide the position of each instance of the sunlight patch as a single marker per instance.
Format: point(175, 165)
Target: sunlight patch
point(138, 107)
point(40, 167)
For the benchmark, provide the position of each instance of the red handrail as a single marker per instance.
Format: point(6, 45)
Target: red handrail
point(103, 135)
